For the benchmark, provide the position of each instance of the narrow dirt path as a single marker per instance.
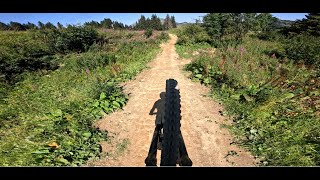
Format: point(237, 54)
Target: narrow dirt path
point(131, 129)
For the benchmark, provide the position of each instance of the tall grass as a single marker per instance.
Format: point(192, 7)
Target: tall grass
point(274, 103)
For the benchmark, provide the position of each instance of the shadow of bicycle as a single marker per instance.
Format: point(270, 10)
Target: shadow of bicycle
point(156, 142)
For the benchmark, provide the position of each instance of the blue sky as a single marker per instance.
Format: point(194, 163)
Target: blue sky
point(126, 18)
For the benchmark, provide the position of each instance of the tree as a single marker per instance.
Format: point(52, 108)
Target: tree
point(4, 26)
point(313, 24)
point(309, 25)
point(265, 20)
point(153, 23)
point(226, 28)
point(59, 25)
point(156, 22)
point(212, 24)
point(117, 25)
point(167, 24)
point(41, 25)
point(240, 26)
point(30, 25)
point(173, 22)
point(106, 23)
point(93, 24)
point(141, 24)
point(49, 25)
point(16, 26)
point(251, 22)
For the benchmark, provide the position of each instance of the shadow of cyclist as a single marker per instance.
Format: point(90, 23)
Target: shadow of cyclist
point(159, 105)
point(151, 159)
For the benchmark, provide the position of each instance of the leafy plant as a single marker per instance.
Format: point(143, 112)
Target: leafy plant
point(148, 32)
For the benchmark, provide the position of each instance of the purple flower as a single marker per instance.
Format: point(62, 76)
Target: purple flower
point(242, 50)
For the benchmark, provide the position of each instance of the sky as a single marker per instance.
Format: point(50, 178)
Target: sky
point(126, 18)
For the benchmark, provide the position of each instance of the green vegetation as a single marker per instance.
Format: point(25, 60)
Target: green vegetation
point(148, 33)
point(269, 87)
point(155, 23)
point(56, 82)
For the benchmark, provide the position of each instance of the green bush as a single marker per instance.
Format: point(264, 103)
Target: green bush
point(148, 32)
point(192, 34)
point(270, 36)
point(164, 36)
point(73, 39)
point(23, 51)
point(304, 48)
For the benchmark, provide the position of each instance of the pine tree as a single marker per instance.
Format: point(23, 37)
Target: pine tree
point(16, 26)
point(106, 23)
point(312, 24)
point(167, 23)
point(4, 26)
point(59, 25)
point(94, 24)
point(309, 25)
point(226, 28)
point(30, 25)
point(141, 24)
point(212, 24)
point(41, 25)
point(49, 25)
point(155, 23)
point(266, 20)
point(173, 22)
point(117, 25)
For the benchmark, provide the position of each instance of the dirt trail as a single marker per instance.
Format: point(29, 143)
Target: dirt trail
point(131, 129)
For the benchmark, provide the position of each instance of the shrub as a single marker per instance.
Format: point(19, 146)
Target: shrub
point(270, 36)
point(23, 51)
point(163, 36)
point(192, 34)
point(148, 32)
point(72, 39)
point(303, 48)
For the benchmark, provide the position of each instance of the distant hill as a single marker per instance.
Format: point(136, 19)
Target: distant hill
point(279, 24)
point(183, 24)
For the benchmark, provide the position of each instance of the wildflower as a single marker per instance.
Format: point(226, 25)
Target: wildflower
point(241, 51)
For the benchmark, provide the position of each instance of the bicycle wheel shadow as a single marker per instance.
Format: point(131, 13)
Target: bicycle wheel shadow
point(151, 159)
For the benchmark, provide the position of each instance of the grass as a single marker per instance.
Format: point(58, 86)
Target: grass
point(273, 102)
point(46, 117)
point(191, 50)
point(122, 146)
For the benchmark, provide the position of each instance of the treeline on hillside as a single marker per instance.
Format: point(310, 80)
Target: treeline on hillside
point(300, 41)
point(106, 23)
point(143, 23)
point(155, 23)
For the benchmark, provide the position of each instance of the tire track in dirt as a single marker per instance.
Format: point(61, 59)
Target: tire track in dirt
point(131, 129)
